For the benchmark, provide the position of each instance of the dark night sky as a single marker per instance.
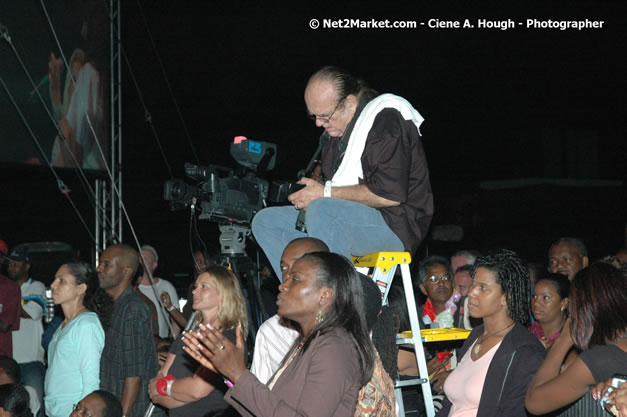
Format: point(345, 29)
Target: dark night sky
point(497, 104)
point(479, 90)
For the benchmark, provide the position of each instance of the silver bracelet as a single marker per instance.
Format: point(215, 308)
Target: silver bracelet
point(168, 389)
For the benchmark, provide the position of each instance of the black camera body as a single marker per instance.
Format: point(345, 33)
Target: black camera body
point(280, 189)
point(222, 196)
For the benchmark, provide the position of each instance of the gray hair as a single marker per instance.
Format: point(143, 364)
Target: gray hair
point(428, 262)
point(470, 255)
point(152, 251)
point(344, 83)
point(575, 242)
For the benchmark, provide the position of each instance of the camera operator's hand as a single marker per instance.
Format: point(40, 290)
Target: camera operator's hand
point(312, 191)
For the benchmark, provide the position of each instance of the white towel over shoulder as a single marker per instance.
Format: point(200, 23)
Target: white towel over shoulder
point(350, 170)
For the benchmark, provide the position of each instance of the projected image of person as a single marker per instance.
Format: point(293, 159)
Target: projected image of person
point(80, 108)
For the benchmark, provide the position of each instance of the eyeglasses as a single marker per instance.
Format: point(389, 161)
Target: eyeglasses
point(81, 410)
point(326, 119)
point(567, 260)
point(434, 279)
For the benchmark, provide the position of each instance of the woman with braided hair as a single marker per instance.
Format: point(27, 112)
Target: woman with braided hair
point(500, 357)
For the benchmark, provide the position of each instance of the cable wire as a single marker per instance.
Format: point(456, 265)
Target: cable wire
point(87, 118)
point(83, 178)
point(167, 81)
point(114, 187)
point(147, 114)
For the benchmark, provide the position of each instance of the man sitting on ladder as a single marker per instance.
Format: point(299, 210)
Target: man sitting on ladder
point(377, 194)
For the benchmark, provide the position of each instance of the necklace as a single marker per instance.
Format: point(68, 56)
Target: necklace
point(483, 338)
point(78, 313)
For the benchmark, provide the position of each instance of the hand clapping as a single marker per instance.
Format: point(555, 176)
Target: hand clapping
point(214, 351)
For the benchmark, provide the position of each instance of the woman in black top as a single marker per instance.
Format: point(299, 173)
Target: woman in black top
point(598, 328)
point(184, 387)
point(501, 355)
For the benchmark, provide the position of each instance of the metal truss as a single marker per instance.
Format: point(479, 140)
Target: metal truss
point(109, 220)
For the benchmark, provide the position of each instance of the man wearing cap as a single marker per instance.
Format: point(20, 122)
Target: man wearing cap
point(28, 351)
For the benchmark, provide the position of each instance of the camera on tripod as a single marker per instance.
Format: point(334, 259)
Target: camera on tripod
point(223, 196)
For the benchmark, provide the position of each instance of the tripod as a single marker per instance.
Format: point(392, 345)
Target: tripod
point(233, 255)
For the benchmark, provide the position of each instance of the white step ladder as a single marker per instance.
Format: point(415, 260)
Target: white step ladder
point(384, 264)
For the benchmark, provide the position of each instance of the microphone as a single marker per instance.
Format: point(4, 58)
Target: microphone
point(45, 80)
point(49, 306)
point(190, 324)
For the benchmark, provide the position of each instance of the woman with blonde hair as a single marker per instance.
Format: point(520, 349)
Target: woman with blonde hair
point(329, 362)
point(184, 387)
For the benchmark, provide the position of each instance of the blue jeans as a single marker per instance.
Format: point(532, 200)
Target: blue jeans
point(347, 227)
point(33, 374)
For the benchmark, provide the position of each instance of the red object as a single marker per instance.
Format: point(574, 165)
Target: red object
point(239, 139)
point(442, 356)
point(429, 311)
point(162, 385)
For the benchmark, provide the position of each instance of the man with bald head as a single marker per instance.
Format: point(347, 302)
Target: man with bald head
point(275, 336)
point(129, 357)
point(376, 193)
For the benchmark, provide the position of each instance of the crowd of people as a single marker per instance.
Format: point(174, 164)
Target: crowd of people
point(537, 345)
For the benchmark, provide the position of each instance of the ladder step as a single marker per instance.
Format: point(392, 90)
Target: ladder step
point(385, 264)
point(434, 335)
point(382, 260)
point(409, 382)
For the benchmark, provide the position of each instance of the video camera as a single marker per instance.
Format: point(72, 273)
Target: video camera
point(223, 196)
